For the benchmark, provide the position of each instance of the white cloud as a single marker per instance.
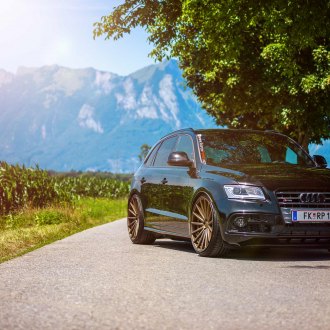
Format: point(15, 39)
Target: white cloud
point(200, 118)
point(86, 120)
point(147, 112)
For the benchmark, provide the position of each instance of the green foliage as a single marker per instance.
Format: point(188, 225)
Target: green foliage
point(50, 217)
point(87, 186)
point(125, 177)
point(144, 149)
point(102, 207)
point(25, 187)
point(22, 187)
point(253, 64)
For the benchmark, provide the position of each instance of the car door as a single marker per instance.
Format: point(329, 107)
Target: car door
point(178, 190)
point(154, 188)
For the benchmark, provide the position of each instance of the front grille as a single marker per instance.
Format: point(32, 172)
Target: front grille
point(291, 199)
point(296, 200)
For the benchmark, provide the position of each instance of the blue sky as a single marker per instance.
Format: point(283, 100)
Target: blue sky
point(44, 32)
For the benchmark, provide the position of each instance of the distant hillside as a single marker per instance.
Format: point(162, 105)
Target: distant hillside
point(85, 119)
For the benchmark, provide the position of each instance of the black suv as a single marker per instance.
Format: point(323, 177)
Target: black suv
point(226, 188)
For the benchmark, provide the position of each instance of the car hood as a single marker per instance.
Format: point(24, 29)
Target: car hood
point(277, 176)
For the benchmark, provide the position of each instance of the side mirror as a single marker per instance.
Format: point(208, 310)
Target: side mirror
point(179, 158)
point(320, 161)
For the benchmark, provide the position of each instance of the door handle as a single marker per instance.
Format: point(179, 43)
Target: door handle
point(164, 181)
point(143, 180)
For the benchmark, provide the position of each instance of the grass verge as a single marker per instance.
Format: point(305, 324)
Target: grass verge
point(31, 229)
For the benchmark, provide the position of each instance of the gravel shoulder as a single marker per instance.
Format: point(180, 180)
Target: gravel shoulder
point(97, 279)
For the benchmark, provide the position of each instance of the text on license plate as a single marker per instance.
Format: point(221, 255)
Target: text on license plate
point(311, 216)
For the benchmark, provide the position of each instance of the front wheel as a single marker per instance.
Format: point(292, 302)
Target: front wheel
point(205, 228)
point(135, 222)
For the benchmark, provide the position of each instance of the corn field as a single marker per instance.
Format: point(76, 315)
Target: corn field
point(22, 187)
point(87, 186)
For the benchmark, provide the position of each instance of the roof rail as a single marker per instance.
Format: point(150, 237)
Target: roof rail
point(178, 131)
point(185, 129)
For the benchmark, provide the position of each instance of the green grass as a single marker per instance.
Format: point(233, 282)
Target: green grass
point(33, 228)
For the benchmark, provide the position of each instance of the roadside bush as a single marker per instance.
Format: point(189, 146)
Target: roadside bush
point(50, 217)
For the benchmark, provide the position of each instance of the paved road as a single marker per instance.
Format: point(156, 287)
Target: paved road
point(97, 279)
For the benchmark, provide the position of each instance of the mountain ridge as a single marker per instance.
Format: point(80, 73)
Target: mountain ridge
point(86, 119)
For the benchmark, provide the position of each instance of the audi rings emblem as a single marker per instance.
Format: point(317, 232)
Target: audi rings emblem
point(312, 198)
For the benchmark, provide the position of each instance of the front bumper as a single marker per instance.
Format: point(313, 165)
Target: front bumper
point(273, 231)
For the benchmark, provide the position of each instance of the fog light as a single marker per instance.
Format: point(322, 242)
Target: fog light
point(240, 222)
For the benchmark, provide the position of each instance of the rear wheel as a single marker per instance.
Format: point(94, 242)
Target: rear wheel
point(135, 222)
point(205, 229)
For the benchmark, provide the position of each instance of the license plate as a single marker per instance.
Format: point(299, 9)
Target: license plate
point(311, 216)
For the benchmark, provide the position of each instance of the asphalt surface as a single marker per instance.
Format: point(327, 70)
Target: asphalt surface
point(97, 279)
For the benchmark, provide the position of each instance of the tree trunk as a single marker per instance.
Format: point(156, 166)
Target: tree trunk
point(303, 140)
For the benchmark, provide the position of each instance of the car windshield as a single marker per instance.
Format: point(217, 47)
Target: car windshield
point(234, 147)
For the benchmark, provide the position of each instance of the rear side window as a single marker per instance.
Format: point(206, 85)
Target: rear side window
point(185, 144)
point(164, 151)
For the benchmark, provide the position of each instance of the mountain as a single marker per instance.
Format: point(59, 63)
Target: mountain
point(84, 119)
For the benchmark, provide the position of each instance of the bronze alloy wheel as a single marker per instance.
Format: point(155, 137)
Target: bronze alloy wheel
point(205, 230)
point(135, 222)
point(133, 217)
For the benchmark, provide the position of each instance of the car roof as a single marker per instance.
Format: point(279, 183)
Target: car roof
point(232, 130)
point(222, 131)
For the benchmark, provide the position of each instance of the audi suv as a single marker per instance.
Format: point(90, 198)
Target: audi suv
point(225, 188)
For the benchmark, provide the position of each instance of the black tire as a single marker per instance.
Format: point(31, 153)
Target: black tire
point(135, 222)
point(205, 228)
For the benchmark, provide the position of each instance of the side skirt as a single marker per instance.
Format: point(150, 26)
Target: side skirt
point(167, 234)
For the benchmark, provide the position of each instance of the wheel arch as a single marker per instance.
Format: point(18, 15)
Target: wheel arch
point(138, 193)
point(132, 192)
point(196, 195)
point(208, 192)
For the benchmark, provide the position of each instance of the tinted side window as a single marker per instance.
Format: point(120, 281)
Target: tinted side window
point(164, 151)
point(149, 160)
point(290, 156)
point(185, 144)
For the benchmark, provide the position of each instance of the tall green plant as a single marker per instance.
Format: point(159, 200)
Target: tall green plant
point(22, 187)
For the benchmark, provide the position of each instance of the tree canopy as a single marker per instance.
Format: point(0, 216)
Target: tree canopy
point(261, 64)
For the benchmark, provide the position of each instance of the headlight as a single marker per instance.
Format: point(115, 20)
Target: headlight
point(244, 192)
